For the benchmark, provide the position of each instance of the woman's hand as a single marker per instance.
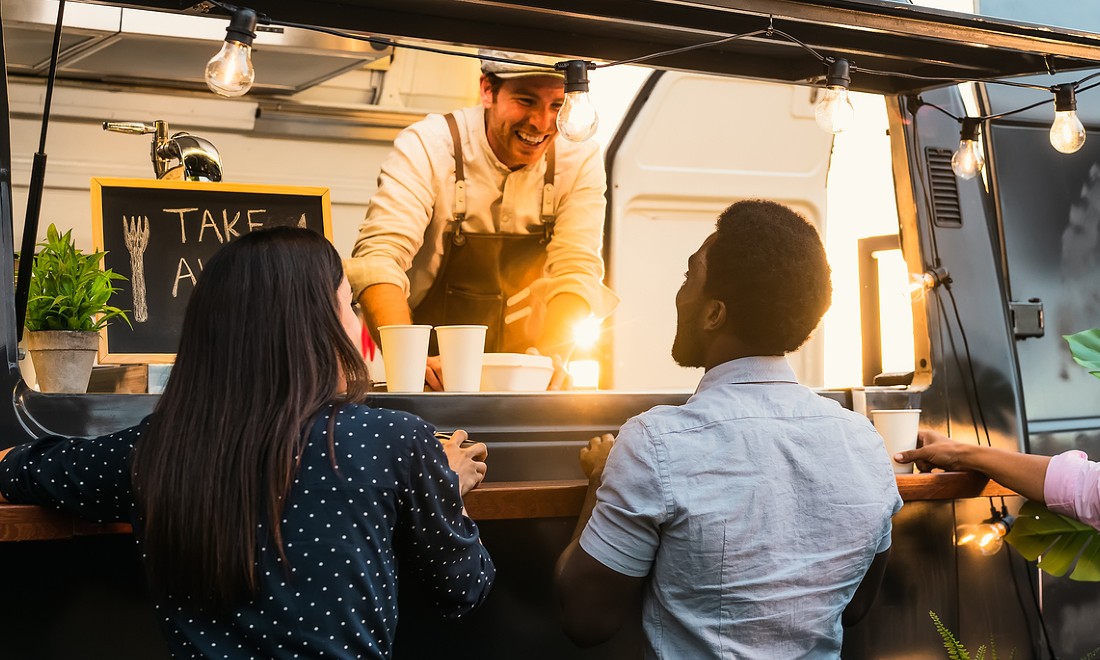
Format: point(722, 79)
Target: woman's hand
point(936, 450)
point(467, 462)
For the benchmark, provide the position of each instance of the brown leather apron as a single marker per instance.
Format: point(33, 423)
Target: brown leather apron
point(484, 278)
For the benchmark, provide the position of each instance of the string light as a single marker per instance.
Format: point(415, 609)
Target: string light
point(834, 112)
point(577, 119)
point(1067, 134)
point(988, 536)
point(230, 72)
point(968, 160)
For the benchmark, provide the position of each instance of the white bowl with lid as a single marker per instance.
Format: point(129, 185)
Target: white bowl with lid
point(515, 372)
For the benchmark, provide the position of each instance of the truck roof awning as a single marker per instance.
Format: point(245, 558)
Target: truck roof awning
point(899, 40)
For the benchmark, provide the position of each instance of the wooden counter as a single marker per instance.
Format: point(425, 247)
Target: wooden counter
point(501, 500)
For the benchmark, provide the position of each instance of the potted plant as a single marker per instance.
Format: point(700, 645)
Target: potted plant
point(66, 308)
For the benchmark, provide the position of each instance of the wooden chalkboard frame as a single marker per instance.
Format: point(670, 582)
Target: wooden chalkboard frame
point(104, 186)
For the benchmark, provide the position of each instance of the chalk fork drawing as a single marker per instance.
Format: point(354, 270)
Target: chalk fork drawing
point(136, 233)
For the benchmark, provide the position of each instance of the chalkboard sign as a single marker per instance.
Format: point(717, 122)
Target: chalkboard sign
point(159, 233)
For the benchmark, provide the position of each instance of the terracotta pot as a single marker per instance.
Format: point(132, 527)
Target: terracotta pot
point(63, 359)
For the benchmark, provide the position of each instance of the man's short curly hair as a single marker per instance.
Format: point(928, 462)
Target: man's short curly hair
point(767, 264)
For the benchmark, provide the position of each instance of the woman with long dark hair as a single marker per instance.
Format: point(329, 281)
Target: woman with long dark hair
point(271, 506)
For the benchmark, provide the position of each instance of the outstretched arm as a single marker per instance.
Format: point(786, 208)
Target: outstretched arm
point(1023, 473)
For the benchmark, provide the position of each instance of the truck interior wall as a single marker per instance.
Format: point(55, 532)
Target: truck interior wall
point(699, 144)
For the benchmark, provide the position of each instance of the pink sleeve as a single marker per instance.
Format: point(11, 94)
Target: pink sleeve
point(1072, 487)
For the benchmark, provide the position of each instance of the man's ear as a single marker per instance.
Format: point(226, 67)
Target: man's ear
point(714, 315)
point(487, 97)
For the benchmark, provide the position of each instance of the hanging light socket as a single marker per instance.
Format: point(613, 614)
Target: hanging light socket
point(577, 119)
point(1067, 133)
point(230, 72)
point(968, 160)
point(834, 112)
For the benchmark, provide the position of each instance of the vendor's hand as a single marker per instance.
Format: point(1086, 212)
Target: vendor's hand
point(594, 456)
point(467, 462)
point(934, 450)
point(560, 379)
point(433, 374)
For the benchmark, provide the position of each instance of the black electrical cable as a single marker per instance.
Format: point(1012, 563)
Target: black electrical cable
point(1016, 589)
point(969, 364)
point(36, 187)
point(685, 49)
point(1039, 610)
point(971, 404)
point(768, 32)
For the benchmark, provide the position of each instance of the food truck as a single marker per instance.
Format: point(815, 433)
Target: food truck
point(996, 265)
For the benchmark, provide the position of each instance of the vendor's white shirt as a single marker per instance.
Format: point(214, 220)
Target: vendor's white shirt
point(401, 240)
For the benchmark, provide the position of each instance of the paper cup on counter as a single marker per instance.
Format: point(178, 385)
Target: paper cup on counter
point(405, 355)
point(461, 348)
point(898, 429)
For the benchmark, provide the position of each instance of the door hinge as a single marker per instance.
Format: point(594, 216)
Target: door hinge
point(1027, 318)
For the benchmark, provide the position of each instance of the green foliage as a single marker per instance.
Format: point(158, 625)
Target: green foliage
point(68, 289)
point(955, 649)
point(1085, 347)
point(1057, 541)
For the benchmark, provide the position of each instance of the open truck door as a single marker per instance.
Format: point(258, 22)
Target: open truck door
point(668, 179)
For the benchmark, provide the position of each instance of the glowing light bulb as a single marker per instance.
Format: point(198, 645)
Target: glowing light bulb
point(965, 534)
point(1067, 133)
point(968, 159)
point(230, 72)
point(987, 537)
point(577, 119)
point(834, 112)
point(921, 283)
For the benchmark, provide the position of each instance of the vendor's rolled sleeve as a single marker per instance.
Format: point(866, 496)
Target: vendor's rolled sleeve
point(399, 213)
point(1072, 487)
point(631, 504)
point(574, 263)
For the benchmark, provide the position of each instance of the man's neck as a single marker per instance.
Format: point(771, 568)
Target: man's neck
point(726, 348)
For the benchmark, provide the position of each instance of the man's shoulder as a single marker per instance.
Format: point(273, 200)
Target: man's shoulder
point(432, 127)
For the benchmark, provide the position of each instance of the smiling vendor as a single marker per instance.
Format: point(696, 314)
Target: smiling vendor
point(487, 216)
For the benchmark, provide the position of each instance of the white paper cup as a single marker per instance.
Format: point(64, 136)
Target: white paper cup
point(405, 354)
point(898, 429)
point(461, 348)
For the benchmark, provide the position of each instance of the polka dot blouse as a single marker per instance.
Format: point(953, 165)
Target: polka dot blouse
point(392, 499)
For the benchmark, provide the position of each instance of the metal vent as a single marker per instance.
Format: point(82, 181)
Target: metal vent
point(945, 191)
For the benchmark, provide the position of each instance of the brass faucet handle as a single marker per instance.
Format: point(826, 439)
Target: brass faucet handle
point(130, 127)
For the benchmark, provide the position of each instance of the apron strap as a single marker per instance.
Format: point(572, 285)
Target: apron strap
point(548, 215)
point(459, 211)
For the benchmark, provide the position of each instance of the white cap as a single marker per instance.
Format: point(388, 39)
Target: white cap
point(540, 64)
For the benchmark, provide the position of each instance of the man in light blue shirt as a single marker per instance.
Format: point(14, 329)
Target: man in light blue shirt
point(753, 520)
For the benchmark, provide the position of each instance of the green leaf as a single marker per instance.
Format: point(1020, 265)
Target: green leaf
point(1057, 541)
point(69, 290)
point(955, 649)
point(1085, 347)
